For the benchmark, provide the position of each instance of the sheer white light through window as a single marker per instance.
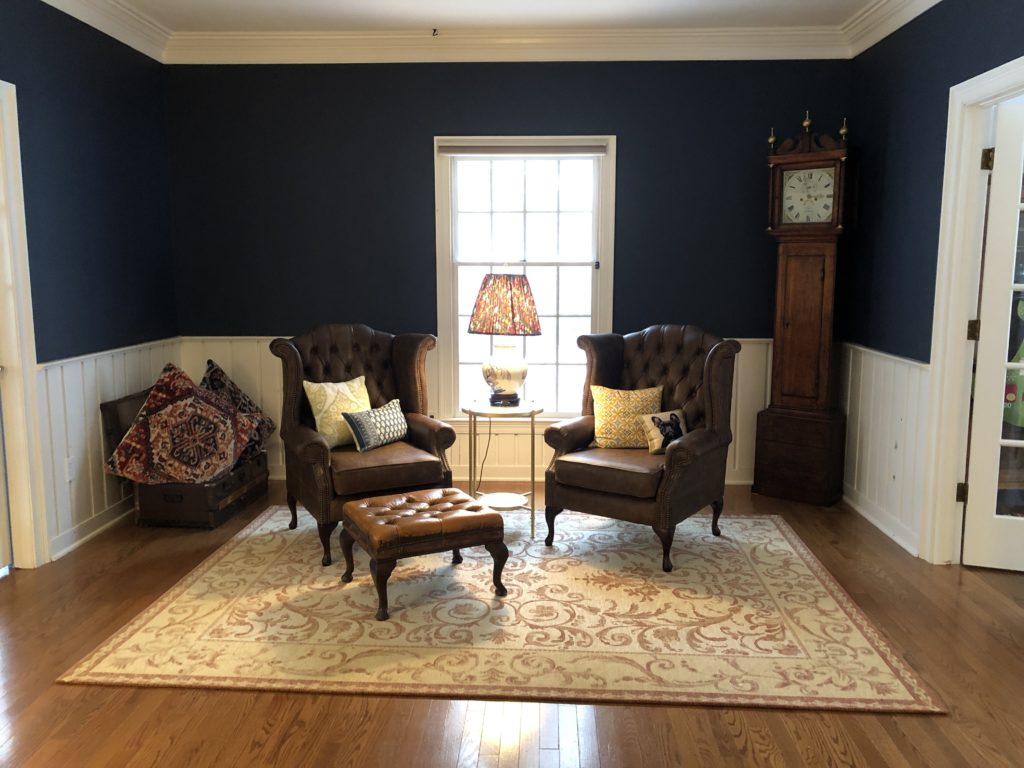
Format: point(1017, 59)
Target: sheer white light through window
point(536, 214)
point(540, 214)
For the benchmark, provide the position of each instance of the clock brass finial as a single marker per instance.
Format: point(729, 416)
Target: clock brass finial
point(806, 122)
point(843, 131)
point(771, 139)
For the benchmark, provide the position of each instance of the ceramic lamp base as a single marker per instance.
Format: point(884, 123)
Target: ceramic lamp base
point(505, 372)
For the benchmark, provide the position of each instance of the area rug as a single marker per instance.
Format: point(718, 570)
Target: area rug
point(748, 618)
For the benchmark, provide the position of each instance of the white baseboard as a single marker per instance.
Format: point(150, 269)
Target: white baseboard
point(94, 526)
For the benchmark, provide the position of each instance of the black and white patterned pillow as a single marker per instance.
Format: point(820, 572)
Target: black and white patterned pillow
point(378, 426)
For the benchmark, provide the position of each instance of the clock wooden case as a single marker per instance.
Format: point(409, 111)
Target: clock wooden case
point(800, 436)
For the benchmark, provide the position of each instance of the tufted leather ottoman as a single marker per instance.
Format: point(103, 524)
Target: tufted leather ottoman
point(419, 523)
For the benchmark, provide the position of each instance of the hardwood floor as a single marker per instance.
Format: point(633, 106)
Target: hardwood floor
point(962, 629)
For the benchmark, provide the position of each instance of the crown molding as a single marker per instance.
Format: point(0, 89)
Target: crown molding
point(505, 45)
point(880, 19)
point(143, 33)
point(117, 19)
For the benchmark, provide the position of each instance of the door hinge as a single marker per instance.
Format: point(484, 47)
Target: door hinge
point(973, 330)
point(961, 492)
point(988, 158)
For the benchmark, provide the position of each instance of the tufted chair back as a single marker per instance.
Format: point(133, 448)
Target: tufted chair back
point(394, 366)
point(673, 356)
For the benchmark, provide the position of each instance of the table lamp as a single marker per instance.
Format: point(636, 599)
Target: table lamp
point(505, 307)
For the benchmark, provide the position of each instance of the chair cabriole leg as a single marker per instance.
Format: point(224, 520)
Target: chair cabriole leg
point(456, 557)
point(325, 530)
point(292, 504)
point(550, 513)
point(716, 507)
point(666, 535)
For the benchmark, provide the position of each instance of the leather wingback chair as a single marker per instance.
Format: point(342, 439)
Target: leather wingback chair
point(323, 479)
point(695, 370)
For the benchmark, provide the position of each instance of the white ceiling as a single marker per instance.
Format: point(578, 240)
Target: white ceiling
point(349, 31)
point(395, 15)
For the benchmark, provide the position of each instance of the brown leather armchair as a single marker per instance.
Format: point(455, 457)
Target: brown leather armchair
point(695, 370)
point(323, 479)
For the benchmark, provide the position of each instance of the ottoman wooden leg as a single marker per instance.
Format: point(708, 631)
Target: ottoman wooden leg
point(346, 547)
point(456, 557)
point(499, 552)
point(381, 572)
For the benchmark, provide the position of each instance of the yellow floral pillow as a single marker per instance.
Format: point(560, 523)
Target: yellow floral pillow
point(331, 399)
point(615, 415)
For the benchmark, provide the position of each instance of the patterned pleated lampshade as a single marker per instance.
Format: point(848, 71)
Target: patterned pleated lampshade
point(505, 307)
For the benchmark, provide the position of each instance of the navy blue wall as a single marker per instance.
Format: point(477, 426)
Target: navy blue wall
point(94, 161)
point(302, 194)
point(887, 281)
point(305, 194)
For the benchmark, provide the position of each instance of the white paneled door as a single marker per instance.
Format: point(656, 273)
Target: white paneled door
point(994, 522)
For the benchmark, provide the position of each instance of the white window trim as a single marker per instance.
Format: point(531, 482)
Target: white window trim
point(446, 405)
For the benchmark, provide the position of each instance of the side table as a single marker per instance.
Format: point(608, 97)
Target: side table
point(505, 501)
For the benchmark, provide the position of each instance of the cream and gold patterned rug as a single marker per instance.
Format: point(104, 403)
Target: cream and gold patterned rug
point(750, 618)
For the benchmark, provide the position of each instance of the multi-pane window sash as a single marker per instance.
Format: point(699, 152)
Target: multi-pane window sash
point(538, 215)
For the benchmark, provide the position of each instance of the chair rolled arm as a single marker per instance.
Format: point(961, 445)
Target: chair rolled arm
point(429, 434)
point(570, 435)
point(693, 445)
point(306, 443)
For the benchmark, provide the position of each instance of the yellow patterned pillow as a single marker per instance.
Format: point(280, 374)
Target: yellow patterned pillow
point(331, 399)
point(615, 415)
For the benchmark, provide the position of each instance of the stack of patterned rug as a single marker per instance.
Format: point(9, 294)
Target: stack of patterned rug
point(750, 618)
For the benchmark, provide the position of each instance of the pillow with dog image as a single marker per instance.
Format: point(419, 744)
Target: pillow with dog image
point(662, 428)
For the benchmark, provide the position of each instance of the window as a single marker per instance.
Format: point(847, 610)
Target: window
point(543, 206)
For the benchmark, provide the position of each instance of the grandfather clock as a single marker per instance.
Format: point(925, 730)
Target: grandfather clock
point(800, 436)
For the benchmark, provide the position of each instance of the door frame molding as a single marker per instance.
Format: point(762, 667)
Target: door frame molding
point(24, 460)
point(961, 228)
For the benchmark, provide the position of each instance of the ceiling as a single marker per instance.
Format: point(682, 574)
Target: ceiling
point(345, 31)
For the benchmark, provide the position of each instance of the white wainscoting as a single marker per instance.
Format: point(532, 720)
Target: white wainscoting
point(250, 364)
point(80, 499)
point(883, 396)
point(885, 399)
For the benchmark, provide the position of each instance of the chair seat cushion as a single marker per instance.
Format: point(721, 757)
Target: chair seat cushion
point(390, 466)
point(626, 471)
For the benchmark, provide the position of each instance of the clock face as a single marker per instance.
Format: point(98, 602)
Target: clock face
point(807, 196)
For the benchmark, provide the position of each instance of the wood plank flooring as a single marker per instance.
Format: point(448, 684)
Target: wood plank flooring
point(962, 629)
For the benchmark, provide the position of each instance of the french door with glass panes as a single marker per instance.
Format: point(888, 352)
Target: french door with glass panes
point(994, 515)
